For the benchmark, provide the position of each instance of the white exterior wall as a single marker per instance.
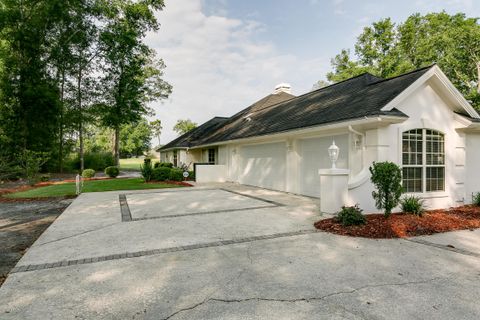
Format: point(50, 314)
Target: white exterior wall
point(426, 110)
point(472, 164)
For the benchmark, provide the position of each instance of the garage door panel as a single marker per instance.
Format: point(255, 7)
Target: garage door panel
point(264, 165)
point(314, 156)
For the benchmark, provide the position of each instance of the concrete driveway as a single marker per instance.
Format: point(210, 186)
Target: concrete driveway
point(233, 252)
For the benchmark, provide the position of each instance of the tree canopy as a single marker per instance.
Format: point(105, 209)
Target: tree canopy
point(387, 49)
point(68, 65)
point(183, 126)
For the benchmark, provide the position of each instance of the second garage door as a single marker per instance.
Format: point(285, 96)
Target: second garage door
point(263, 165)
point(314, 156)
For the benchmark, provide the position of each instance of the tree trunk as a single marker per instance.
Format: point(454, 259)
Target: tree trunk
point(80, 118)
point(60, 147)
point(116, 151)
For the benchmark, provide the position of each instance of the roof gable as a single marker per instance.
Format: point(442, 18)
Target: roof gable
point(436, 75)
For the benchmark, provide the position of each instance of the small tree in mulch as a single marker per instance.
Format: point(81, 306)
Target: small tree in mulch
point(387, 178)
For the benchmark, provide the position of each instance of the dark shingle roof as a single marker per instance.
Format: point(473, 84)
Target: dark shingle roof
point(198, 134)
point(188, 139)
point(358, 97)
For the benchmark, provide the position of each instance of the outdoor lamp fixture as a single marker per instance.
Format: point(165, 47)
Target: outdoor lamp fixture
point(333, 151)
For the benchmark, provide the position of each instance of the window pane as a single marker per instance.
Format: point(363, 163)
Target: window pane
point(435, 178)
point(412, 179)
point(412, 147)
point(434, 145)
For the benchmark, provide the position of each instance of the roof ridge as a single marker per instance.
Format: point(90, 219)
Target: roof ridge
point(310, 92)
point(403, 74)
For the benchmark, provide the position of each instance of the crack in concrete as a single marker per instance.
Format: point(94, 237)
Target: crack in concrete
point(295, 300)
point(77, 234)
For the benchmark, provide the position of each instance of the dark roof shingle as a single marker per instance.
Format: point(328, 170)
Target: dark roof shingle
point(358, 97)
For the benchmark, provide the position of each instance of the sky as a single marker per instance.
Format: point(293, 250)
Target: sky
point(223, 55)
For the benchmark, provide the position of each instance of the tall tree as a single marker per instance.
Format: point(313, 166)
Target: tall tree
point(156, 126)
point(135, 138)
point(183, 126)
point(386, 49)
point(29, 96)
point(132, 74)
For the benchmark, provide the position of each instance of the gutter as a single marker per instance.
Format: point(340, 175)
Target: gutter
point(318, 128)
point(172, 148)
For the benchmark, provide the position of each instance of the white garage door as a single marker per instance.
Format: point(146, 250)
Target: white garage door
point(314, 156)
point(263, 165)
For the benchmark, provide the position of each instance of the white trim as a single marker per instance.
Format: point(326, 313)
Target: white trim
point(434, 71)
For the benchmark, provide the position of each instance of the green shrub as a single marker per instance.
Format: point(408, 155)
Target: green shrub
point(161, 173)
point(44, 177)
point(387, 178)
point(476, 199)
point(156, 165)
point(31, 163)
point(413, 205)
point(351, 216)
point(147, 170)
point(165, 164)
point(112, 171)
point(176, 175)
point(97, 161)
point(88, 173)
point(191, 175)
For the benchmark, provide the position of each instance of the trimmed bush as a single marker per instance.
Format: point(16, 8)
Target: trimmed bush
point(476, 199)
point(351, 216)
point(147, 170)
point(413, 205)
point(156, 165)
point(161, 174)
point(176, 175)
point(165, 164)
point(112, 171)
point(88, 173)
point(191, 175)
point(387, 178)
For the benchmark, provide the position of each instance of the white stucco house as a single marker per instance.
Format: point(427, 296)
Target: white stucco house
point(418, 120)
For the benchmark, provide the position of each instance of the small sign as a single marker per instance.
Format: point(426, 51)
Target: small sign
point(185, 174)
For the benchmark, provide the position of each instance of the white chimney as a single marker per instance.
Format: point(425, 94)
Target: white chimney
point(283, 87)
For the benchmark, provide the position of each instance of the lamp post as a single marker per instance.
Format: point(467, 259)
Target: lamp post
point(333, 151)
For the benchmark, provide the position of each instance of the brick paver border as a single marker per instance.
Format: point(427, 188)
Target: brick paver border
point(65, 263)
point(127, 215)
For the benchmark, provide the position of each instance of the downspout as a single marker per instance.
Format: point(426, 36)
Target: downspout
point(350, 128)
point(362, 176)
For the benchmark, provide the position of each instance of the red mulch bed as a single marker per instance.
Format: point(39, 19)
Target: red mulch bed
point(400, 225)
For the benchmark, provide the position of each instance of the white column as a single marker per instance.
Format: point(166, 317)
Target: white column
point(333, 189)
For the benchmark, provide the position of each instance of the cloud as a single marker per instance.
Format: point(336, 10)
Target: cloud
point(216, 65)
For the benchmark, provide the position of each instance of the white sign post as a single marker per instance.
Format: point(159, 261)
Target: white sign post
point(78, 184)
point(185, 175)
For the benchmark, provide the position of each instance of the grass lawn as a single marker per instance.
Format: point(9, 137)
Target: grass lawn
point(131, 164)
point(68, 189)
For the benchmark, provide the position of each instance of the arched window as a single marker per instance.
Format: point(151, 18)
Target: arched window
point(423, 160)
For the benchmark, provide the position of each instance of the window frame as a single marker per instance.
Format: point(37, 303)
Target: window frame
point(175, 158)
point(214, 154)
point(424, 166)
